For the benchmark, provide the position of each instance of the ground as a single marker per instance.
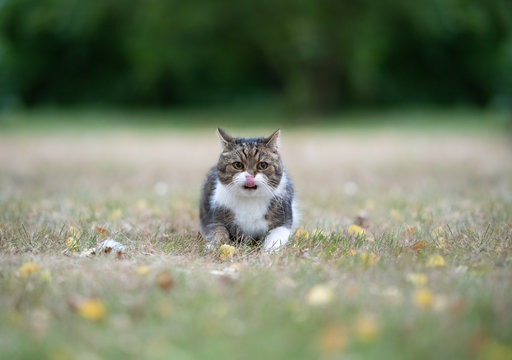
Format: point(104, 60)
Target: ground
point(404, 249)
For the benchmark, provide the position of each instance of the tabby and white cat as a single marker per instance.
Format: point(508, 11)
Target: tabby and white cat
point(248, 196)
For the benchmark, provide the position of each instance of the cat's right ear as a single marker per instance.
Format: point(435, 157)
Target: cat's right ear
point(224, 137)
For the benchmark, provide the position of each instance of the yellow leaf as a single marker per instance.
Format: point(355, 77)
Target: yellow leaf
point(440, 242)
point(351, 252)
point(92, 309)
point(369, 259)
point(143, 270)
point(302, 233)
point(320, 295)
point(71, 243)
point(45, 275)
point(395, 214)
point(437, 231)
point(435, 261)
point(116, 214)
point(74, 232)
point(367, 327)
point(29, 268)
point(226, 251)
point(417, 278)
point(356, 229)
point(333, 339)
point(423, 298)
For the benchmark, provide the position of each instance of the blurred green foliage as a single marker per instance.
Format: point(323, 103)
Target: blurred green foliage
point(310, 54)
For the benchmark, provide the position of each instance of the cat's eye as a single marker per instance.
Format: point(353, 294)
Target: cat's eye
point(262, 165)
point(238, 165)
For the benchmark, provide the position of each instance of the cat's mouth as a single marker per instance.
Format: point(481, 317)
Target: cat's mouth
point(250, 188)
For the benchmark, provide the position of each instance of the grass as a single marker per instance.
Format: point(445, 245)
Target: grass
point(431, 277)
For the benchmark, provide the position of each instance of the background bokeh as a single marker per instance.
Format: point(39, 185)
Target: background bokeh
point(304, 55)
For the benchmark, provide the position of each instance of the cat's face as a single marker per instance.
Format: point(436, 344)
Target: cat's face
point(250, 166)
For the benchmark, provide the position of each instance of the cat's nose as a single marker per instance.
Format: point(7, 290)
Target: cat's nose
point(249, 181)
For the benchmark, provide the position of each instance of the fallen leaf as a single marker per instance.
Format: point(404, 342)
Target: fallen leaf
point(320, 295)
point(351, 252)
point(116, 214)
point(71, 243)
point(435, 261)
point(367, 327)
point(355, 229)
point(333, 339)
point(369, 258)
point(420, 245)
point(165, 280)
point(29, 268)
point(74, 232)
point(102, 231)
point(301, 233)
point(410, 230)
point(45, 275)
point(440, 242)
point(423, 298)
point(417, 278)
point(92, 309)
point(226, 251)
point(395, 214)
point(437, 231)
point(143, 270)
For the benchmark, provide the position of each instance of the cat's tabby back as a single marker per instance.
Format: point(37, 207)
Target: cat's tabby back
point(248, 196)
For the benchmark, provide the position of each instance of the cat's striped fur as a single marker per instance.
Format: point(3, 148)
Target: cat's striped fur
point(248, 196)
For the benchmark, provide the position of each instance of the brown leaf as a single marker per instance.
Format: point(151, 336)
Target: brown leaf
point(333, 339)
point(420, 245)
point(102, 231)
point(165, 280)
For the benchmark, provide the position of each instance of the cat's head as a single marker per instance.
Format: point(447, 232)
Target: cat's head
point(250, 166)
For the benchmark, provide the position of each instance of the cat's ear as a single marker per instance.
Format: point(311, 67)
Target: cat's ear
point(274, 140)
point(224, 137)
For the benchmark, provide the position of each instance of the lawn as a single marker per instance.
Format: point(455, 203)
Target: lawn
point(404, 249)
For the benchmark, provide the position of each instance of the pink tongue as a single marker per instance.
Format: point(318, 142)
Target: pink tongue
point(249, 181)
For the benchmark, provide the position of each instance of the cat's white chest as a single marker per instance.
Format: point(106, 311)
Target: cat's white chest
point(249, 212)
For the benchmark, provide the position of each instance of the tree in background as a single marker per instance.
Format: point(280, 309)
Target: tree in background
point(314, 55)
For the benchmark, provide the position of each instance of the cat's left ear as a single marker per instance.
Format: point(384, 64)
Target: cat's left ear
point(274, 140)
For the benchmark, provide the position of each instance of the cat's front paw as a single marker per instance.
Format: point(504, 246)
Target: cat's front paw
point(276, 239)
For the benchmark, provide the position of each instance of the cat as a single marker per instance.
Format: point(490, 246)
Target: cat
point(248, 196)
